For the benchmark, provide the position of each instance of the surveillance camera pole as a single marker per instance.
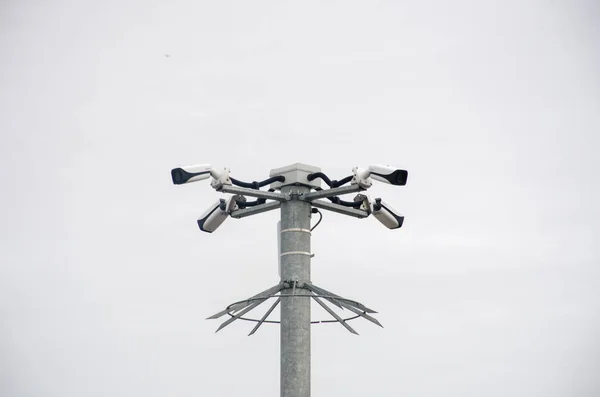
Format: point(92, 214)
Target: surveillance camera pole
point(296, 200)
point(295, 313)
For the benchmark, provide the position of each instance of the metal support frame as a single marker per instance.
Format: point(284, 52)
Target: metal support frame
point(253, 193)
point(340, 209)
point(273, 205)
point(336, 191)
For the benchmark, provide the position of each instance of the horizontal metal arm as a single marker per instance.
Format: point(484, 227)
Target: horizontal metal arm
point(253, 193)
point(340, 209)
point(272, 205)
point(336, 191)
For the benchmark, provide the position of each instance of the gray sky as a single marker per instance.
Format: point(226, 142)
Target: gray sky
point(490, 288)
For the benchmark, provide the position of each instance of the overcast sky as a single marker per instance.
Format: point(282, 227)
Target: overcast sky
point(491, 288)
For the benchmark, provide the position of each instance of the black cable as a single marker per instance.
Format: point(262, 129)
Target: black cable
point(343, 181)
point(321, 175)
point(328, 181)
point(337, 200)
point(244, 204)
point(316, 211)
point(258, 185)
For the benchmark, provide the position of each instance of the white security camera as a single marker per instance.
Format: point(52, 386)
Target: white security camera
point(198, 172)
point(387, 174)
point(386, 214)
point(216, 214)
point(382, 173)
point(190, 173)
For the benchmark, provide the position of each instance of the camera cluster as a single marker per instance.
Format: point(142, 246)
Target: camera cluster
point(237, 206)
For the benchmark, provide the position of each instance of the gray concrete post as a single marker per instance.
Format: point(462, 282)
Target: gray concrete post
point(295, 312)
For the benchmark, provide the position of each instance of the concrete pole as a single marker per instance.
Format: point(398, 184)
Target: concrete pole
point(295, 312)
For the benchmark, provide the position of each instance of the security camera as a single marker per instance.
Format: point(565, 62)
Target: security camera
point(387, 215)
point(216, 214)
point(387, 174)
point(190, 173)
point(194, 173)
point(382, 173)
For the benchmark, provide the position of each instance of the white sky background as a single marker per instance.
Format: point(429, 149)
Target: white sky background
point(490, 288)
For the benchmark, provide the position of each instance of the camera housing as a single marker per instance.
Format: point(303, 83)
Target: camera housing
point(216, 214)
point(190, 173)
point(379, 172)
point(388, 174)
point(386, 214)
point(198, 172)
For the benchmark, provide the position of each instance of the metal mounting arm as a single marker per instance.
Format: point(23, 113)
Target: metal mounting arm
point(272, 205)
point(331, 192)
point(253, 193)
point(340, 209)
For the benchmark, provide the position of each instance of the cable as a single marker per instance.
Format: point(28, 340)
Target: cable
point(258, 185)
point(328, 181)
point(316, 211)
point(342, 181)
point(321, 175)
point(244, 204)
point(337, 200)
